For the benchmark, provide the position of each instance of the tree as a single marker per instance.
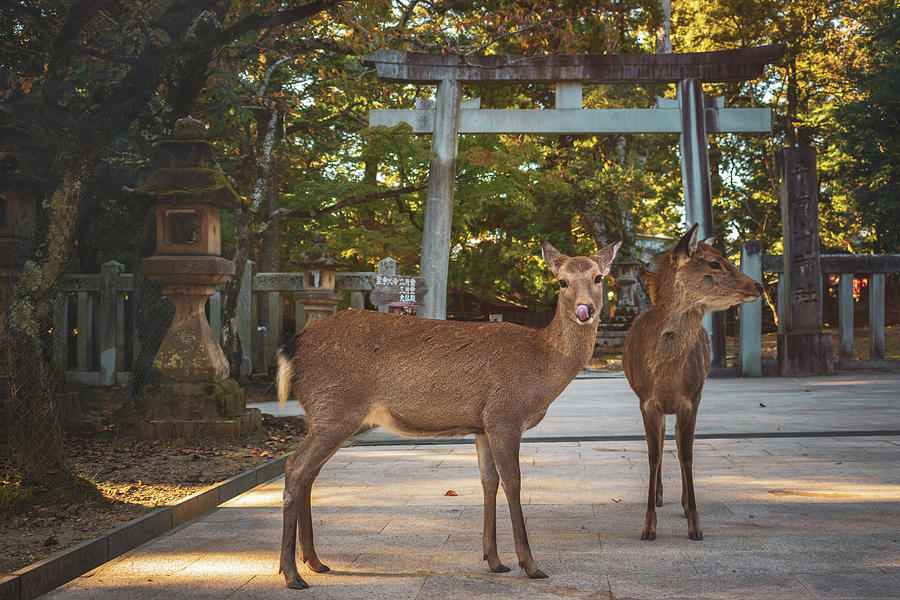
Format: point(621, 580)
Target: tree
point(78, 75)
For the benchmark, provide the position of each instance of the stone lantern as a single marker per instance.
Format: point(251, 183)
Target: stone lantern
point(318, 296)
point(189, 393)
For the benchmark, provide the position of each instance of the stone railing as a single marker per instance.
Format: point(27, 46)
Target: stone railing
point(95, 326)
point(849, 267)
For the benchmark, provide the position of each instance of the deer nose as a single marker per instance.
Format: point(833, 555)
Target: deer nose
point(583, 312)
point(759, 288)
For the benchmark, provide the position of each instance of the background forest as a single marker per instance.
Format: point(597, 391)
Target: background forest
point(286, 96)
point(87, 86)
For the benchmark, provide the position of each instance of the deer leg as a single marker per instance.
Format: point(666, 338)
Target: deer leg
point(299, 474)
point(659, 483)
point(490, 481)
point(505, 448)
point(655, 430)
point(684, 439)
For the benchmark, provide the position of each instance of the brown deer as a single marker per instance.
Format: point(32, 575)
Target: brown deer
point(431, 378)
point(666, 357)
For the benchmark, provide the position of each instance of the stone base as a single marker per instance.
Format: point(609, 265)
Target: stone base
point(805, 353)
point(247, 424)
point(214, 410)
point(609, 342)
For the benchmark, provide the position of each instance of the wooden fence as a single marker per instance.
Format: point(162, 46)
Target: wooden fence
point(848, 267)
point(96, 326)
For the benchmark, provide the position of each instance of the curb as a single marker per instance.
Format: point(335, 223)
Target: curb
point(41, 577)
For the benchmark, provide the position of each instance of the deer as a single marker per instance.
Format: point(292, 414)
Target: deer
point(666, 357)
point(434, 378)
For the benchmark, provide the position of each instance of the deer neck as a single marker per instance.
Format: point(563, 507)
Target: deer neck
point(570, 344)
point(676, 321)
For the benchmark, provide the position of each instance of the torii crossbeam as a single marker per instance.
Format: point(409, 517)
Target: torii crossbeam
point(690, 116)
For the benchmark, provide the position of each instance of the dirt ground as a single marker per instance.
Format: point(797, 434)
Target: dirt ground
point(124, 480)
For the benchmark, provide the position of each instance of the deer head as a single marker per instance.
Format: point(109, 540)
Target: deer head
point(580, 280)
point(707, 278)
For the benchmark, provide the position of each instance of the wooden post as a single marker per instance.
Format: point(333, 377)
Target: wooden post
point(82, 343)
point(876, 316)
point(274, 325)
point(244, 321)
point(299, 315)
point(802, 347)
point(845, 308)
point(357, 300)
point(751, 314)
point(698, 191)
point(109, 295)
point(121, 338)
point(435, 261)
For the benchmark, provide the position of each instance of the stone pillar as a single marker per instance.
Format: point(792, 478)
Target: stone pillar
point(698, 191)
point(435, 260)
point(388, 266)
point(802, 347)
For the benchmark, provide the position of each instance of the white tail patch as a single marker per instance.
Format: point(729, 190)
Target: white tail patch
point(283, 379)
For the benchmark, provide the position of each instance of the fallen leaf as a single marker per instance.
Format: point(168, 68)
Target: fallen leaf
point(451, 493)
point(761, 404)
point(51, 541)
point(805, 390)
point(616, 500)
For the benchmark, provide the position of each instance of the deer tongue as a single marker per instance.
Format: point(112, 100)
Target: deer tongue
point(582, 312)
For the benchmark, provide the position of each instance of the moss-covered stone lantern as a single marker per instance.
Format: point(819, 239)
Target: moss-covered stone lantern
point(318, 297)
point(189, 393)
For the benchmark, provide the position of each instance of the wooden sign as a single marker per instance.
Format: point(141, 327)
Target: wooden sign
point(397, 290)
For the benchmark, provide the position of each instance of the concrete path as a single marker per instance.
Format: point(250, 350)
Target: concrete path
point(812, 515)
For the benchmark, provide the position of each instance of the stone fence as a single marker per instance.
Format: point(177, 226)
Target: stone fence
point(96, 328)
point(849, 267)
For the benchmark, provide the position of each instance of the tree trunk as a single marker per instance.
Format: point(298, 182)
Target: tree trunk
point(30, 352)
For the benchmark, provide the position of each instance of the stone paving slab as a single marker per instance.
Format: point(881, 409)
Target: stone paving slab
point(813, 517)
point(837, 540)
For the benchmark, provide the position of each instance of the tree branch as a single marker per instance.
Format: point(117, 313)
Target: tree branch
point(352, 201)
point(256, 22)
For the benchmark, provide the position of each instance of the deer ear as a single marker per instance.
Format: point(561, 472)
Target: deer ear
point(605, 256)
point(553, 257)
point(709, 241)
point(686, 247)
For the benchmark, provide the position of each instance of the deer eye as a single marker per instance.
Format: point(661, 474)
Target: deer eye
point(598, 279)
point(714, 265)
point(563, 283)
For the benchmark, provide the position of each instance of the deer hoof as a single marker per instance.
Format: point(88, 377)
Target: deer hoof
point(320, 568)
point(297, 583)
point(695, 535)
point(538, 575)
point(501, 568)
point(659, 502)
point(648, 535)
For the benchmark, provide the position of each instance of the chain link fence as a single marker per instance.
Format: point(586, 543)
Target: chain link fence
point(31, 377)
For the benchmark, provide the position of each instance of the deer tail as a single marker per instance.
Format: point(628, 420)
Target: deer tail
point(285, 370)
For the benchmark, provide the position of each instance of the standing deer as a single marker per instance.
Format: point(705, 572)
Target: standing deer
point(430, 378)
point(666, 357)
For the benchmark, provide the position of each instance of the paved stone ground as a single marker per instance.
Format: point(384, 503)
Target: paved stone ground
point(812, 515)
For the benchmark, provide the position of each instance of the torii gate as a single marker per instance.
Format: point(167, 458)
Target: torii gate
point(689, 115)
